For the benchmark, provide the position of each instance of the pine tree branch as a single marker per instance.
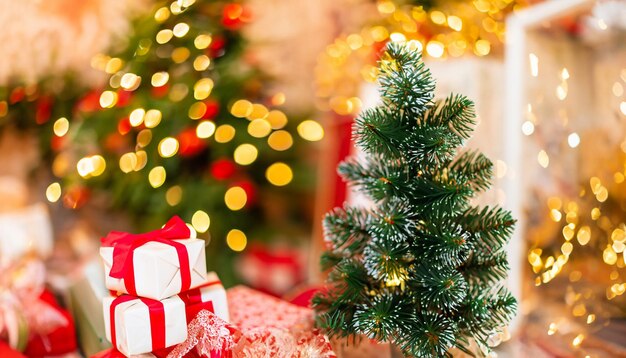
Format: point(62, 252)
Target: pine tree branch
point(383, 318)
point(456, 112)
point(346, 229)
point(430, 146)
point(485, 271)
point(438, 287)
point(387, 261)
point(474, 169)
point(380, 131)
point(490, 229)
point(379, 177)
point(428, 335)
point(405, 81)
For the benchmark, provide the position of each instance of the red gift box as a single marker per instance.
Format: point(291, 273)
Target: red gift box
point(61, 340)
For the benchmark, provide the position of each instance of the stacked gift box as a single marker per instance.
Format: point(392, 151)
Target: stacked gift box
point(158, 283)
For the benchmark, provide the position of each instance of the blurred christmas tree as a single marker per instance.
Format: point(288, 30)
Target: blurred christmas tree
point(183, 128)
point(422, 268)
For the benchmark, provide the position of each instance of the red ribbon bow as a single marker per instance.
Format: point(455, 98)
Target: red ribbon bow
point(124, 245)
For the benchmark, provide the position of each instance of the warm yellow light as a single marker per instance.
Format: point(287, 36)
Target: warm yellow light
point(595, 213)
point(573, 140)
point(278, 99)
point(185, 3)
point(180, 54)
point(245, 154)
point(567, 248)
point(202, 89)
point(181, 29)
point(578, 340)
point(259, 128)
point(98, 164)
point(136, 117)
point(235, 198)
point(259, 111)
point(61, 126)
point(53, 192)
point(438, 17)
point(113, 65)
point(202, 41)
point(277, 119)
point(355, 41)
point(311, 130)
point(108, 99)
point(241, 108)
point(60, 165)
point(455, 23)
point(128, 162)
point(397, 37)
point(130, 81)
point(279, 174)
point(201, 63)
point(200, 221)
point(156, 177)
point(142, 160)
point(280, 140)
point(164, 36)
point(543, 158)
point(197, 110)
point(160, 79)
point(236, 240)
point(91, 166)
point(152, 118)
point(144, 137)
point(622, 107)
point(174, 195)
point(584, 235)
point(224, 133)
point(162, 14)
point(534, 64)
point(482, 47)
point(205, 129)
point(379, 33)
point(435, 49)
point(175, 8)
point(609, 256)
point(168, 147)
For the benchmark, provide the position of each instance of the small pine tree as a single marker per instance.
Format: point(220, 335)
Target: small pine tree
point(422, 268)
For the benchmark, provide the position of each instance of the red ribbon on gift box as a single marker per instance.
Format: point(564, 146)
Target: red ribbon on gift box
point(193, 300)
point(124, 245)
point(157, 319)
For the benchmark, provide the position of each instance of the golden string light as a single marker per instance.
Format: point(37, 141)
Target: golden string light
point(448, 29)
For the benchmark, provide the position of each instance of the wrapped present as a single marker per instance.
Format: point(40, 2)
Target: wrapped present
point(6, 351)
point(274, 270)
point(210, 296)
point(23, 231)
point(157, 264)
point(30, 317)
point(52, 341)
point(137, 325)
point(85, 298)
point(260, 326)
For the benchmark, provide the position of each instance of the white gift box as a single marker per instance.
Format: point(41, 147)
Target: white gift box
point(210, 296)
point(24, 231)
point(157, 268)
point(133, 329)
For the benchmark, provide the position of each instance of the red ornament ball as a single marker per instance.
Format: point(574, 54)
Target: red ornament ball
point(223, 169)
point(190, 144)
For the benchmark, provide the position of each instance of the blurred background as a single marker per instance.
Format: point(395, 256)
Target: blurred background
point(117, 115)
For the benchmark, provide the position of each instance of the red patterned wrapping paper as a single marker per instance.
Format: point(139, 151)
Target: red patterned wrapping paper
point(260, 326)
